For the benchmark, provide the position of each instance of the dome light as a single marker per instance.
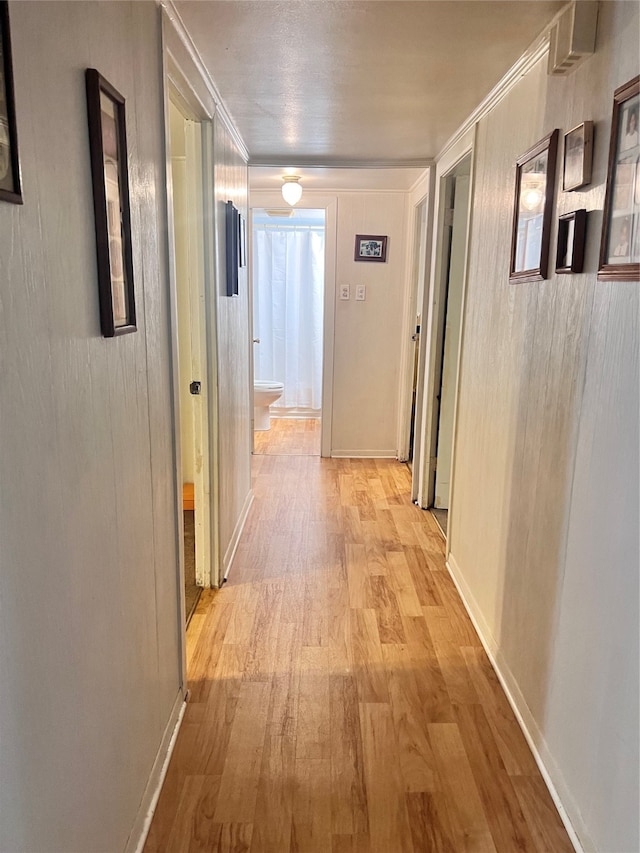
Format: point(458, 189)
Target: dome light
point(291, 189)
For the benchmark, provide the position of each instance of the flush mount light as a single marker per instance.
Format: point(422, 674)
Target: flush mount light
point(291, 189)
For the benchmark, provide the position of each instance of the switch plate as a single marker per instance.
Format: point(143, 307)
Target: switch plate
point(344, 291)
point(361, 292)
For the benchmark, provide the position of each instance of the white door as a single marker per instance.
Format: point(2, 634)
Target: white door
point(188, 209)
point(452, 329)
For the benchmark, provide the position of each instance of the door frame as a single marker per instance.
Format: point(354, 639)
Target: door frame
point(462, 148)
point(310, 201)
point(421, 195)
point(182, 80)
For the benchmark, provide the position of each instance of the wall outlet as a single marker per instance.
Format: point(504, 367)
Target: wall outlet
point(361, 292)
point(344, 291)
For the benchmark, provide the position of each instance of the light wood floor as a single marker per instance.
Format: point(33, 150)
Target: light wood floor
point(289, 437)
point(340, 699)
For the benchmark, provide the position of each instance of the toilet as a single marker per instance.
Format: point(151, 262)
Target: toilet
point(265, 393)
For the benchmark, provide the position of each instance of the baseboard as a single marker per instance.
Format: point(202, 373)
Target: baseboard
point(142, 823)
point(230, 553)
point(364, 454)
point(546, 764)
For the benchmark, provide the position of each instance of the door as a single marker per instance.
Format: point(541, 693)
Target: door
point(451, 342)
point(193, 421)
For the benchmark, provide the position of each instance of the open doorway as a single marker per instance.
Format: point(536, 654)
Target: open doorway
point(288, 295)
point(186, 142)
point(446, 331)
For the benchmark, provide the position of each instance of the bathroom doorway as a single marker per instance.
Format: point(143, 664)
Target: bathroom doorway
point(288, 298)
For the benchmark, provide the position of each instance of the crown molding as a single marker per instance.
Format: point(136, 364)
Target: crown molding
point(221, 108)
point(279, 162)
point(537, 50)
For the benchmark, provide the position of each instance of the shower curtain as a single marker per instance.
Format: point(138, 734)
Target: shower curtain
point(288, 287)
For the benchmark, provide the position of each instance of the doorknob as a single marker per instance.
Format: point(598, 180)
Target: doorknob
point(256, 340)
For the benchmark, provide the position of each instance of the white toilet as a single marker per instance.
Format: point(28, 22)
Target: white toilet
point(265, 393)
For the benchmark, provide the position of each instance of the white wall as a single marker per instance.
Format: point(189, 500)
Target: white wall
point(89, 638)
point(366, 373)
point(545, 514)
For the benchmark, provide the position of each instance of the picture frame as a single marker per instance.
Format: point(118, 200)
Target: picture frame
point(110, 178)
point(232, 228)
point(572, 228)
point(371, 248)
point(532, 207)
point(10, 177)
point(620, 240)
point(577, 157)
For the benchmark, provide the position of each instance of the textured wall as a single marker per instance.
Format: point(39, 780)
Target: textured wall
point(545, 516)
point(89, 651)
point(367, 334)
point(234, 399)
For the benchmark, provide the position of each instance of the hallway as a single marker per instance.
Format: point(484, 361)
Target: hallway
point(340, 699)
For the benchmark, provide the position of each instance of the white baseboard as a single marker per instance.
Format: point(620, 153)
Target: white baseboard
point(230, 553)
point(364, 454)
point(142, 823)
point(548, 768)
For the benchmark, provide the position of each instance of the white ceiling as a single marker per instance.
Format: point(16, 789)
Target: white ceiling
point(357, 82)
point(270, 178)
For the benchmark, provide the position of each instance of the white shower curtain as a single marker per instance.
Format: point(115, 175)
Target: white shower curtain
point(288, 286)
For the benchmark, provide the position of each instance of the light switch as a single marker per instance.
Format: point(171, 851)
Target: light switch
point(361, 292)
point(344, 291)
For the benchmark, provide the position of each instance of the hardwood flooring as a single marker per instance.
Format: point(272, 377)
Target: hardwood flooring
point(340, 700)
point(289, 437)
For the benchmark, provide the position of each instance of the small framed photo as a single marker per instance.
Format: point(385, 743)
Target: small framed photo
point(572, 229)
point(370, 247)
point(578, 157)
point(232, 242)
point(10, 187)
point(108, 149)
point(620, 242)
point(535, 182)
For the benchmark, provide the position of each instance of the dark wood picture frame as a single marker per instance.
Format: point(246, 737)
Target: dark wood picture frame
point(532, 208)
point(232, 229)
point(620, 241)
point(577, 158)
point(108, 151)
point(10, 178)
point(572, 230)
point(370, 247)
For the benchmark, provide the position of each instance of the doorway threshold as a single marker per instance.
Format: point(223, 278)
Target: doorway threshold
point(441, 516)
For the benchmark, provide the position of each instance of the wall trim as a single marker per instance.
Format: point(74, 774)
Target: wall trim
point(142, 823)
point(221, 108)
point(273, 161)
point(522, 67)
point(535, 738)
point(364, 454)
point(230, 553)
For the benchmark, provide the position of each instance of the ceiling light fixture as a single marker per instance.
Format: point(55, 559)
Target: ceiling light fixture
point(291, 189)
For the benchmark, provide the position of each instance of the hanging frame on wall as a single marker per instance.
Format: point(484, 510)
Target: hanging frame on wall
point(232, 230)
point(531, 230)
point(10, 184)
point(620, 242)
point(108, 149)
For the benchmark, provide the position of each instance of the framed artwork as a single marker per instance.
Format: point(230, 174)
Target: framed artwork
point(370, 247)
point(232, 229)
point(620, 243)
point(10, 186)
point(572, 229)
point(108, 149)
point(535, 182)
point(578, 157)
